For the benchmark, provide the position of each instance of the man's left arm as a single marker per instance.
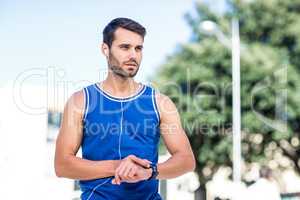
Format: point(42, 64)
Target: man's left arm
point(182, 158)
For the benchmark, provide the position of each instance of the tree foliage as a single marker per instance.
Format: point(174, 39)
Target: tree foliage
point(197, 77)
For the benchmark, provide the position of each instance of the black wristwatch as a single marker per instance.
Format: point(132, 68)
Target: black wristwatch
point(154, 171)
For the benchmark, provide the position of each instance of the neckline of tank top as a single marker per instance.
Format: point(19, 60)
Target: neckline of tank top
point(115, 98)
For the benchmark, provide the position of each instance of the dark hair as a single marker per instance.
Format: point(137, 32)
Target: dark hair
point(129, 24)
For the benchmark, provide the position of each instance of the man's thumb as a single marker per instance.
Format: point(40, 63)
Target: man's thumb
point(142, 162)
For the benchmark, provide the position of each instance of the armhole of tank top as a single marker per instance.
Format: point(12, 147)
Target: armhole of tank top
point(86, 103)
point(155, 105)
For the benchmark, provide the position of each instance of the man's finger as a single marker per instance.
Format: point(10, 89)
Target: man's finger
point(142, 162)
point(133, 172)
point(122, 170)
point(127, 172)
point(117, 177)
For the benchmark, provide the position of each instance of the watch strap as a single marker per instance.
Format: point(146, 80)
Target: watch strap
point(154, 171)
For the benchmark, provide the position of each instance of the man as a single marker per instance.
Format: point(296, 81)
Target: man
point(118, 123)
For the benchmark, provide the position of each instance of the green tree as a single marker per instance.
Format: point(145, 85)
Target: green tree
point(197, 77)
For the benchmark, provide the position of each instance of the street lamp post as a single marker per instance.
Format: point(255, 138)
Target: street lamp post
point(236, 101)
point(211, 28)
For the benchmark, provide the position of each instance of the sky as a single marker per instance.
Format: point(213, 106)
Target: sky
point(67, 35)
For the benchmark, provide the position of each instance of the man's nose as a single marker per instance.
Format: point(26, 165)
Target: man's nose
point(133, 53)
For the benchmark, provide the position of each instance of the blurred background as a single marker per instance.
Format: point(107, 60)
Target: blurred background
point(231, 67)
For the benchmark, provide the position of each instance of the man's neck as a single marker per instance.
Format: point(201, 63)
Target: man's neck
point(119, 86)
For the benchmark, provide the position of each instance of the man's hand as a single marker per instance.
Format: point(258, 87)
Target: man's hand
point(132, 169)
point(140, 175)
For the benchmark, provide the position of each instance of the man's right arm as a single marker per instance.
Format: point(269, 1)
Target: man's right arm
point(68, 142)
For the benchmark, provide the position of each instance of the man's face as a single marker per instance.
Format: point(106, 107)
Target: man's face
point(125, 53)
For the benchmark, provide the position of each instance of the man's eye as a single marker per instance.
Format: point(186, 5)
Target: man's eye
point(124, 47)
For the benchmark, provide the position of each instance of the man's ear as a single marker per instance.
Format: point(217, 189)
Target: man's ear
point(105, 50)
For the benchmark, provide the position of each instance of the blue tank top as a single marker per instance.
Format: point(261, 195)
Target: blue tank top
point(114, 128)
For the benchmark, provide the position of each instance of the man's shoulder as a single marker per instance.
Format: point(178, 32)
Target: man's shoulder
point(79, 95)
point(76, 101)
point(162, 98)
point(165, 104)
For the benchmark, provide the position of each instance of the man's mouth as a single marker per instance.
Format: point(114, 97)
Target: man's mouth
point(131, 64)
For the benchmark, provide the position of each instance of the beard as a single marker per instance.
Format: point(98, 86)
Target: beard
point(116, 68)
